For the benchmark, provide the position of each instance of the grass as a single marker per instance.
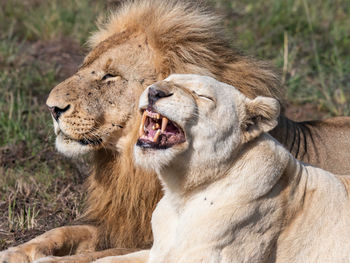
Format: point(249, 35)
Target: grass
point(25, 219)
point(31, 20)
point(39, 189)
point(308, 40)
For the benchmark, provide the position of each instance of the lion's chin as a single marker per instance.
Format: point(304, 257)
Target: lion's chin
point(72, 148)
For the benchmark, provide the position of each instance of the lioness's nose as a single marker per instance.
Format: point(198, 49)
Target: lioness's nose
point(57, 112)
point(155, 93)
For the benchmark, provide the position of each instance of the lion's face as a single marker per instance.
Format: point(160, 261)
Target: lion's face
point(95, 107)
point(206, 122)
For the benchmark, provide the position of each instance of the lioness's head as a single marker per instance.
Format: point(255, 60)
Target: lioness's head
point(199, 122)
point(143, 42)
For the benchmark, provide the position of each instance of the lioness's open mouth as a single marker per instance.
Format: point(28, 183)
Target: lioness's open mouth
point(157, 131)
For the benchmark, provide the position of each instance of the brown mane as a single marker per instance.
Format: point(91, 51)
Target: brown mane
point(121, 200)
point(185, 38)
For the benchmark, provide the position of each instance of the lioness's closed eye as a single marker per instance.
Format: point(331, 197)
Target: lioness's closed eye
point(232, 192)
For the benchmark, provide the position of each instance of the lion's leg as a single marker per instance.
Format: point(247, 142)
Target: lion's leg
point(60, 241)
point(86, 257)
point(136, 257)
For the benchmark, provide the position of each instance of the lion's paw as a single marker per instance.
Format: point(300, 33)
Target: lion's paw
point(13, 255)
point(112, 259)
point(52, 259)
point(49, 259)
point(106, 260)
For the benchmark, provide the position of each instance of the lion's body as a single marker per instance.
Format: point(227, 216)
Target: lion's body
point(141, 43)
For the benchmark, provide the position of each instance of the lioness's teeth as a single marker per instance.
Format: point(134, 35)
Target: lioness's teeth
point(164, 123)
point(141, 130)
point(140, 133)
point(158, 116)
point(156, 126)
point(156, 136)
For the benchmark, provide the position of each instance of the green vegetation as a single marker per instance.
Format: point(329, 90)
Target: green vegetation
point(40, 43)
point(307, 40)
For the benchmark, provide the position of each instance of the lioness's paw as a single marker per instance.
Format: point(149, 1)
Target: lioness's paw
point(13, 255)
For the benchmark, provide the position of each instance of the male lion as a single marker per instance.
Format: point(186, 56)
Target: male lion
point(95, 111)
point(232, 193)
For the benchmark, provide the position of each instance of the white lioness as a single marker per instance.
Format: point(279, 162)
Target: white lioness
point(232, 192)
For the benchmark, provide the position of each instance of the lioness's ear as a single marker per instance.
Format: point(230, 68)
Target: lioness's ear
point(261, 116)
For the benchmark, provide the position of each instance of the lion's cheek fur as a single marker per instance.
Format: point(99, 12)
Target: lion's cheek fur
point(71, 148)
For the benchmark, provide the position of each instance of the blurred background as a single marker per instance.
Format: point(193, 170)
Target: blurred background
point(42, 42)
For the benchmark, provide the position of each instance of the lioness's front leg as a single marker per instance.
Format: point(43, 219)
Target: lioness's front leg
point(60, 241)
point(136, 257)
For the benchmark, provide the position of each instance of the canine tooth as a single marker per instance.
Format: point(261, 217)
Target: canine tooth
point(141, 130)
point(144, 116)
point(158, 116)
point(155, 139)
point(164, 123)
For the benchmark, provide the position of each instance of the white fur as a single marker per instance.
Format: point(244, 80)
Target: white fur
point(234, 194)
point(71, 148)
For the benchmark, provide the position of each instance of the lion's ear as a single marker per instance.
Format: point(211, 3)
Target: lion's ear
point(260, 116)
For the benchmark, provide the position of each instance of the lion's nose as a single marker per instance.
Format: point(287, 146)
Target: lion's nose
point(156, 93)
point(56, 112)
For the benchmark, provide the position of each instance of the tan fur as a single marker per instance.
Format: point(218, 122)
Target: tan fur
point(141, 43)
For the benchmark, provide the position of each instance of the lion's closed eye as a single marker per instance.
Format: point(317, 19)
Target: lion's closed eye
point(110, 77)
